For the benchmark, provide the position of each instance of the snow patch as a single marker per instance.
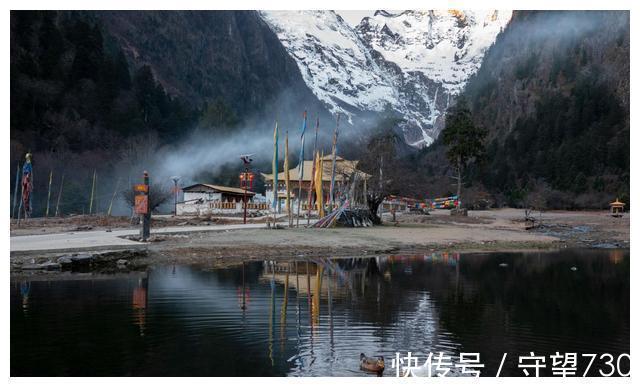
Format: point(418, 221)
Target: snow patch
point(411, 62)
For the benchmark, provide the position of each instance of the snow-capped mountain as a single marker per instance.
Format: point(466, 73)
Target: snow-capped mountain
point(446, 46)
point(411, 62)
point(334, 61)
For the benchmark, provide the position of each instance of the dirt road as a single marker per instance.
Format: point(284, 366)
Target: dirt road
point(103, 238)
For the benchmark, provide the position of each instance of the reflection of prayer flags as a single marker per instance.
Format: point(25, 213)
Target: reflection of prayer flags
point(139, 298)
point(275, 166)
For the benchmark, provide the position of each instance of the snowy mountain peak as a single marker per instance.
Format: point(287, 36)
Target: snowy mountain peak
point(334, 61)
point(411, 62)
point(446, 46)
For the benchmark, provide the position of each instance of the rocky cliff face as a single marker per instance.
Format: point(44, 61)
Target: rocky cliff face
point(411, 63)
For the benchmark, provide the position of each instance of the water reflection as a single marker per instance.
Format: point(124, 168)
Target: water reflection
point(252, 319)
point(25, 288)
point(139, 303)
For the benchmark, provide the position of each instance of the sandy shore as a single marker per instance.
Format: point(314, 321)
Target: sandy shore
point(498, 230)
point(493, 230)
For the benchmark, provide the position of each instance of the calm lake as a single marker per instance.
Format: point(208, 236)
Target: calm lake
point(314, 317)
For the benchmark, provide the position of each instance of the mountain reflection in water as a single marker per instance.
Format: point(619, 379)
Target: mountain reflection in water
point(314, 317)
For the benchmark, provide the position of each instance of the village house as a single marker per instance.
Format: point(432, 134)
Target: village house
point(203, 199)
point(346, 173)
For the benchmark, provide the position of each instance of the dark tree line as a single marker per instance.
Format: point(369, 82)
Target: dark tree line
point(557, 111)
point(72, 87)
point(576, 143)
point(75, 99)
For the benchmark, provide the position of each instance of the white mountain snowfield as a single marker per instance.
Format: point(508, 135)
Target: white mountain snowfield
point(446, 46)
point(412, 62)
point(334, 61)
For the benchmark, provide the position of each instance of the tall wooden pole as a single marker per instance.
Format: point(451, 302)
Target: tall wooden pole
point(21, 204)
point(364, 191)
point(145, 232)
point(113, 197)
point(274, 169)
point(93, 187)
point(15, 193)
point(334, 150)
point(59, 195)
point(319, 187)
point(244, 197)
point(313, 169)
point(46, 214)
point(301, 165)
point(287, 178)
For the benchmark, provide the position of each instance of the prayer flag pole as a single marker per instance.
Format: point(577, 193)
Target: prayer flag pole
point(274, 168)
point(114, 196)
point(286, 177)
point(313, 171)
point(318, 184)
point(46, 214)
point(301, 164)
point(93, 187)
point(59, 195)
point(333, 162)
point(15, 193)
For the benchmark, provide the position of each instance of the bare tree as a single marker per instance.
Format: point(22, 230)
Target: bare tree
point(158, 195)
point(380, 161)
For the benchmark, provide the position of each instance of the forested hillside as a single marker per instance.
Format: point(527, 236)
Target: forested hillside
point(95, 90)
point(73, 90)
point(553, 93)
point(108, 90)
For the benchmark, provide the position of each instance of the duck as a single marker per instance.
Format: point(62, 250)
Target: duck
point(372, 364)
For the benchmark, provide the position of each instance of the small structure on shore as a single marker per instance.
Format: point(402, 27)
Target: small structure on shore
point(617, 208)
point(212, 192)
point(204, 199)
point(345, 169)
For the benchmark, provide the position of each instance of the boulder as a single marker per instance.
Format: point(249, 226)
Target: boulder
point(74, 260)
point(81, 259)
point(51, 265)
point(65, 260)
point(41, 266)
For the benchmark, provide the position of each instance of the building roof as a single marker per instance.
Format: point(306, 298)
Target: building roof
point(216, 188)
point(343, 167)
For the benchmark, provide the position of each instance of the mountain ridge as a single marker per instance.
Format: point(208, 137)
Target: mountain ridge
point(553, 94)
point(376, 66)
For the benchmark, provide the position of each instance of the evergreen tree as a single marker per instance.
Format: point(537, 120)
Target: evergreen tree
point(464, 140)
point(218, 115)
point(51, 46)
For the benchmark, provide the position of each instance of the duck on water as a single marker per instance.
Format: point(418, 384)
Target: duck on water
point(372, 364)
